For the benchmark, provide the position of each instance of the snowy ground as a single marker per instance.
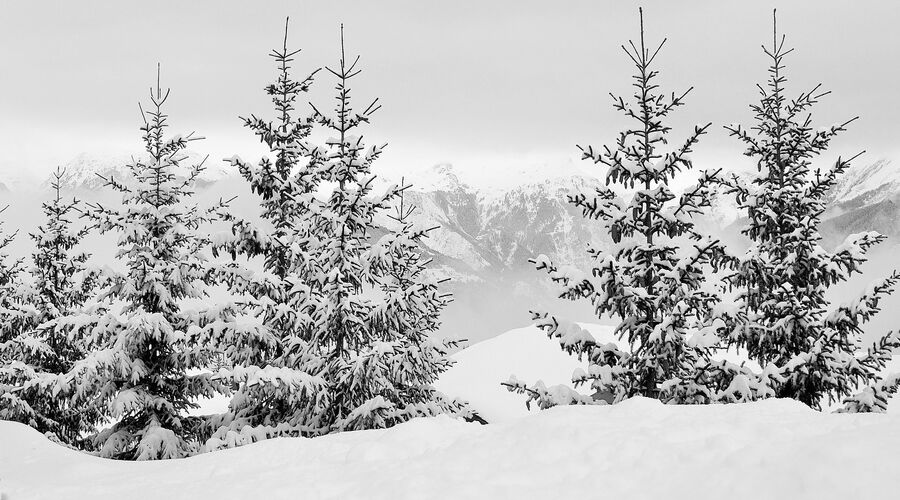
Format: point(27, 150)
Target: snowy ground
point(637, 449)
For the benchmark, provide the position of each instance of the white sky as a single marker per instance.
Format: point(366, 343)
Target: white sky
point(482, 84)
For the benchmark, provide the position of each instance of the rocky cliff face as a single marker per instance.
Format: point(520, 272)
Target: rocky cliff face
point(482, 232)
point(864, 185)
point(866, 198)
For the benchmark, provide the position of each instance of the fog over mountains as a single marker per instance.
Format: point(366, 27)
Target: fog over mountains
point(489, 224)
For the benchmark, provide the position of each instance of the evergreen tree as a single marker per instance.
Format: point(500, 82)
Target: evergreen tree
point(14, 319)
point(270, 272)
point(352, 315)
point(11, 315)
point(654, 277)
point(63, 284)
point(377, 304)
point(147, 348)
point(809, 347)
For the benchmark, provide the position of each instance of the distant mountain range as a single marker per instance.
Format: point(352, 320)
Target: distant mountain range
point(487, 229)
point(85, 172)
point(485, 236)
point(494, 223)
point(501, 230)
point(480, 229)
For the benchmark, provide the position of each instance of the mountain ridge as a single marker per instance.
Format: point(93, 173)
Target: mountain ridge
point(86, 171)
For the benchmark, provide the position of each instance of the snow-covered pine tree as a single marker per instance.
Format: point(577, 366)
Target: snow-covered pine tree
point(351, 316)
point(406, 315)
point(379, 305)
point(11, 314)
point(809, 353)
point(14, 319)
point(654, 277)
point(270, 271)
point(62, 284)
point(147, 349)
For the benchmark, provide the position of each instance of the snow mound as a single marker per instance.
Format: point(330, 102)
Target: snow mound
point(530, 355)
point(526, 353)
point(637, 449)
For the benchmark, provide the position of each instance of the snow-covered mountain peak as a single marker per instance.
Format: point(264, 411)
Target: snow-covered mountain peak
point(84, 170)
point(496, 183)
point(868, 184)
point(496, 179)
point(440, 177)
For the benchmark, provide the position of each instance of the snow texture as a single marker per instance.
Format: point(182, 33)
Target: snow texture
point(637, 449)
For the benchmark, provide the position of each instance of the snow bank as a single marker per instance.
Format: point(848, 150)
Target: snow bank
point(528, 353)
point(637, 449)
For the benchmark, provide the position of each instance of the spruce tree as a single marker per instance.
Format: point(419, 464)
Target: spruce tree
point(147, 347)
point(808, 346)
point(270, 271)
point(63, 283)
point(11, 314)
point(377, 307)
point(390, 380)
point(352, 315)
point(14, 319)
point(653, 279)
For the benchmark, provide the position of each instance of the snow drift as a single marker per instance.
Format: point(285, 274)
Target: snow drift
point(526, 353)
point(637, 449)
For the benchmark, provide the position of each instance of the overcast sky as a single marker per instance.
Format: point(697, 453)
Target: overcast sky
point(481, 84)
